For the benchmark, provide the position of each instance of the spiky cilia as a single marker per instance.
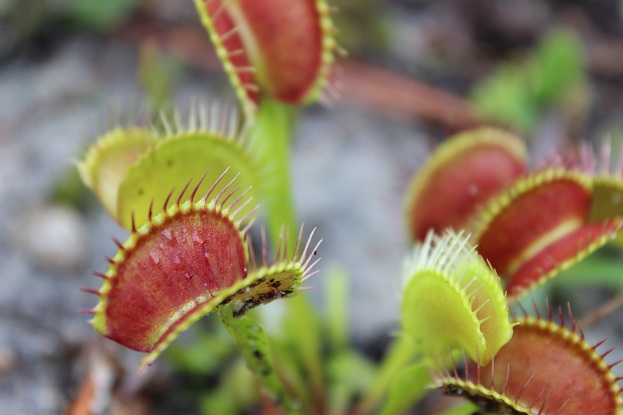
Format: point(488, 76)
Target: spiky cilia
point(539, 227)
point(606, 169)
point(130, 169)
point(282, 49)
point(544, 369)
point(108, 160)
point(453, 298)
point(266, 282)
point(463, 173)
point(185, 261)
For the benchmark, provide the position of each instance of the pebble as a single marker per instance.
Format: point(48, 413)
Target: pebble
point(8, 360)
point(55, 237)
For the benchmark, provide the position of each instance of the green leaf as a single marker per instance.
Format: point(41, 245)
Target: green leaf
point(101, 14)
point(505, 98)
point(516, 92)
point(336, 318)
point(302, 328)
point(349, 375)
point(234, 394)
point(408, 388)
point(204, 355)
point(401, 353)
point(556, 65)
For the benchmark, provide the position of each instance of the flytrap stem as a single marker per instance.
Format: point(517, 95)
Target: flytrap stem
point(401, 354)
point(251, 340)
point(271, 135)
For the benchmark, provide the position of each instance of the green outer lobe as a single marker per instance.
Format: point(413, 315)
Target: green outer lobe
point(175, 161)
point(464, 172)
point(452, 298)
point(437, 315)
point(109, 159)
point(266, 284)
point(607, 200)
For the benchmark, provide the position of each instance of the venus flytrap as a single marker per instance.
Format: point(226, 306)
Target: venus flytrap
point(451, 300)
point(281, 50)
point(529, 246)
point(131, 168)
point(545, 368)
point(187, 195)
point(538, 226)
point(278, 55)
point(186, 261)
point(187, 254)
point(464, 172)
point(452, 297)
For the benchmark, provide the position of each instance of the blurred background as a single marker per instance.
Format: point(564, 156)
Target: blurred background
point(416, 71)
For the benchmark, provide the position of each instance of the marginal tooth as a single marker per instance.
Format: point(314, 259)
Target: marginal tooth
point(197, 238)
point(155, 258)
point(167, 234)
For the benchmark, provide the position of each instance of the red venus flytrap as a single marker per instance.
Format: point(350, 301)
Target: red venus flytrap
point(530, 227)
point(278, 55)
point(279, 49)
point(133, 167)
point(539, 227)
point(189, 256)
point(528, 230)
point(186, 258)
point(545, 369)
point(186, 261)
point(464, 172)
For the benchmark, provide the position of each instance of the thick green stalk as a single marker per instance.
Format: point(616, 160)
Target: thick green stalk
point(251, 340)
point(271, 136)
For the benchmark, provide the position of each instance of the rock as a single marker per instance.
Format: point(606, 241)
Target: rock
point(53, 236)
